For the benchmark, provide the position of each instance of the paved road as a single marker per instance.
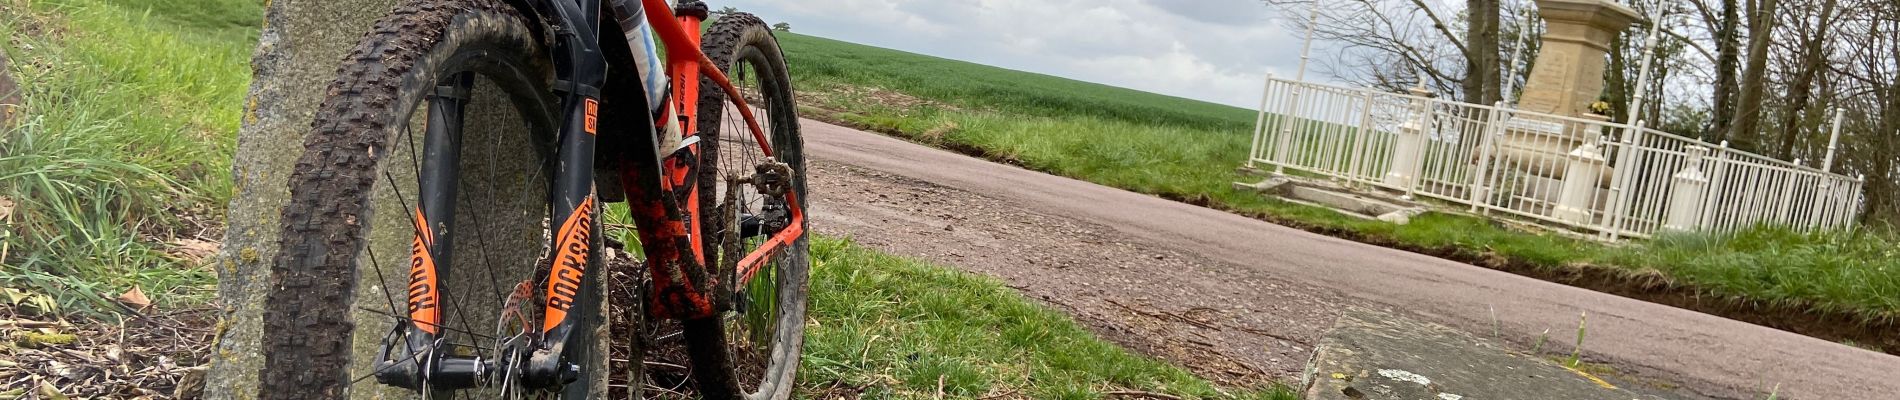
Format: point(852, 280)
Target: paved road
point(1711, 356)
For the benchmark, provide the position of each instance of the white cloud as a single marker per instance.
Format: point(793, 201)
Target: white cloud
point(1213, 50)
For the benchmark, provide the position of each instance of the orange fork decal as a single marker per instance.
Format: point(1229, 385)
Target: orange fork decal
point(574, 245)
point(592, 111)
point(422, 280)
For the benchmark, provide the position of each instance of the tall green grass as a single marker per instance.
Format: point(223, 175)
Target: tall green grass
point(127, 135)
point(1857, 272)
point(1188, 150)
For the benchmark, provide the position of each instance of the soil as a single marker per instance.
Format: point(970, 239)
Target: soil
point(150, 355)
point(1223, 293)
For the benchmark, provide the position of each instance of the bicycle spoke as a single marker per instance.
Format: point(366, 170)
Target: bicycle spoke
point(444, 327)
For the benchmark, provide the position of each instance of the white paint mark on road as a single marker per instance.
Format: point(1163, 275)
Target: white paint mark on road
point(1403, 375)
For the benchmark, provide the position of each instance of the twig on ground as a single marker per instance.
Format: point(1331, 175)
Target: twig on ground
point(1271, 335)
point(27, 324)
point(667, 365)
point(1163, 315)
point(1135, 310)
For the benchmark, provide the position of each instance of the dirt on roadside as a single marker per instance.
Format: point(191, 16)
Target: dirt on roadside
point(150, 355)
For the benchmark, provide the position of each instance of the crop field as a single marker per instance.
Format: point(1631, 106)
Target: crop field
point(1188, 150)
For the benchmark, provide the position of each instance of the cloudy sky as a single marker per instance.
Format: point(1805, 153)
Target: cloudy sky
point(1213, 50)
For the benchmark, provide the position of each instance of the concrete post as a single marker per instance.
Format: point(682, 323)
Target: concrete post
point(1687, 192)
point(1409, 148)
point(1585, 166)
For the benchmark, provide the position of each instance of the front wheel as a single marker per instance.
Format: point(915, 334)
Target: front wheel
point(750, 350)
point(416, 230)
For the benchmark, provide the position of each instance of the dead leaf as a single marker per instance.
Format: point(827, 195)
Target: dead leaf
point(48, 392)
point(34, 301)
point(115, 353)
point(192, 385)
point(6, 208)
point(135, 298)
point(193, 250)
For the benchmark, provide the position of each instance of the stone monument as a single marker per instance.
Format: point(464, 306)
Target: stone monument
point(1568, 73)
point(1559, 160)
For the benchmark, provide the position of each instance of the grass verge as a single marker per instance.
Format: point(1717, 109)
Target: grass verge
point(1187, 150)
point(124, 148)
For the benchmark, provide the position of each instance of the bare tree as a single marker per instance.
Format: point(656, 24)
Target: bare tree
point(1482, 67)
point(1728, 50)
point(1749, 103)
point(1870, 32)
point(1394, 45)
point(1813, 58)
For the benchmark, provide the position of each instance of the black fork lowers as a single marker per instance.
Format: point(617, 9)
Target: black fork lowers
point(580, 72)
point(420, 365)
point(581, 69)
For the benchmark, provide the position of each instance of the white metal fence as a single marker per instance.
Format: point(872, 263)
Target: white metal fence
point(1593, 175)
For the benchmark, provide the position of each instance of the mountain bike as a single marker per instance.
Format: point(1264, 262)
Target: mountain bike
point(443, 236)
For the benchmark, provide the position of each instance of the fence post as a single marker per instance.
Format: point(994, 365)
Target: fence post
point(1306, 50)
point(1685, 194)
point(1481, 169)
point(1833, 141)
point(1619, 180)
point(1408, 150)
point(1260, 121)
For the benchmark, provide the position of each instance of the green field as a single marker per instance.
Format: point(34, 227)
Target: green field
point(1188, 150)
point(132, 111)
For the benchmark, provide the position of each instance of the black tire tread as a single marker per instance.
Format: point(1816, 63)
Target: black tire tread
point(307, 319)
point(705, 338)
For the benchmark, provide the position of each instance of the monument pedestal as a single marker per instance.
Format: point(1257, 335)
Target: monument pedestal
point(1566, 77)
point(1568, 73)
